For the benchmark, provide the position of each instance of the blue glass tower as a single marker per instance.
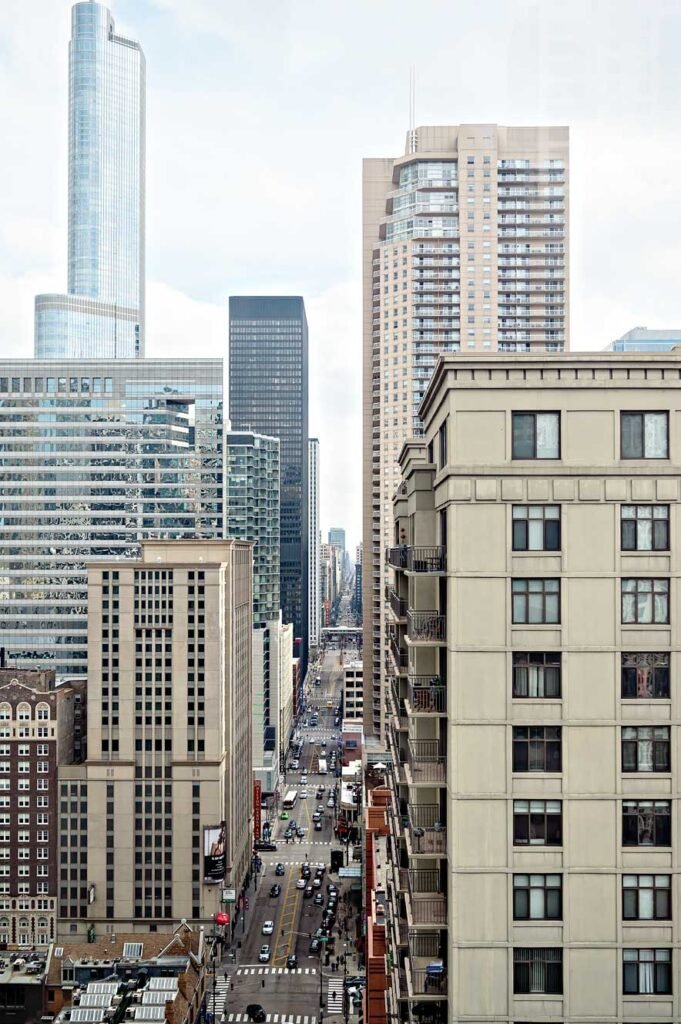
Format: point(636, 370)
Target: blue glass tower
point(102, 316)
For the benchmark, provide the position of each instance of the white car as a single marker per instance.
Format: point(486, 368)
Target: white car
point(303, 794)
point(300, 883)
point(329, 802)
point(264, 954)
point(303, 779)
point(268, 927)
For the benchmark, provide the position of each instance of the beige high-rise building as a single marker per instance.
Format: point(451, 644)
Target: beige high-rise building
point(465, 247)
point(534, 694)
point(163, 802)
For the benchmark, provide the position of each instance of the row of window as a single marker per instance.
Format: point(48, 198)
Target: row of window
point(642, 527)
point(538, 748)
point(536, 601)
point(643, 435)
point(539, 897)
point(540, 971)
point(644, 675)
point(24, 713)
point(540, 823)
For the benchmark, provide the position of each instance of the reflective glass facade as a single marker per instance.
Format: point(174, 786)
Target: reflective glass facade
point(95, 457)
point(253, 513)
point(268, 392)
point(106, 197)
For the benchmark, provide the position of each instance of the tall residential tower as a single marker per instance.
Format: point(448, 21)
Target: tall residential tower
point(314, 600)
point(102, 315)
point(465, 248)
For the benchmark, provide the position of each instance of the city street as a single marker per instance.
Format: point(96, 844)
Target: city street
point(292, 995)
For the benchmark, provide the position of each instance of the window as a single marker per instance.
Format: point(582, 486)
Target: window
point(537, 897)
point(442, 450)
point(645, 748)
point(24, 713)
point(647, 971)
point(538, 971)
point(644, 435)
point(537, 823)
point(644, 527)
point(536, 748)
point(646, 897)
point(536, 601)
point(536, 435)
point(536, 528)
point(43, 712)
point(646, 823)
point(645, 601)
point(536, 675)
point(645, 676)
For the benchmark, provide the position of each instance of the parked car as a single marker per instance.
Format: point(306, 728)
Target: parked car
point(330, 802)
point(316, 883)
point(318, 826)
point(308, 892)
point(267, 927)
point(275, 890)
point(314, 945)
point(256, 1013)
point(264, 954)
point(318, 899)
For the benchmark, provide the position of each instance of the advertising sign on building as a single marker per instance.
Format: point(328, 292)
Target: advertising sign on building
point(257, 816)
point(214, 853)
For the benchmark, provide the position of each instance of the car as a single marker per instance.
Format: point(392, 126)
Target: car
point(356, 997)
point(331, 888)
point(283, 816)
point(357, 981)
point(267, 927)
point(300, 883)
point(303, 794)
point(292, 823)
point(275, 890)
point(318, 899)
point(316, 883)
point(300, 832)
point(288, 833)
point(280, 869)
point(292, 962)
point(264, 844)
point(330, 802)
point(318, 826)
point(264, 954)
point(323, 743)
point(315, 945)
point(322, 933)
point(256, 1013)
point(318, 794)
point(295, 765)
point(320, 869)
point(308, 892)
point(320, 810)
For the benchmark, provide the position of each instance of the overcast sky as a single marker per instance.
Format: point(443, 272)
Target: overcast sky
point(258, 115)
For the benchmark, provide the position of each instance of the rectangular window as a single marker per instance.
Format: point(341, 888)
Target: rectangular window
point(538, 971)
point(645, 748)
point(442, 435)
point(644, 435)
point(536, 601)
point(536, 527)
point(537, 823)
point(536, 748)
point(536, 435)
point(646, 823)
point(645, 676)
point(647, 971)
point(645, 601)
point(537, 897)
point(644, 527)
point(646, 897)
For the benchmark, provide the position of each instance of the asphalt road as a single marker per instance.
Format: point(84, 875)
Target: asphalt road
point(291, 997)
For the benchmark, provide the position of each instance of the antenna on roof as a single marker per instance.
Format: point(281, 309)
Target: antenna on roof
point(413, 142)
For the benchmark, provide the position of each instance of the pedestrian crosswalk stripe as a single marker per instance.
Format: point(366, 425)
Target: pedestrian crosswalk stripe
point(273, 1018)
point(334, 1001)
point(272, 970)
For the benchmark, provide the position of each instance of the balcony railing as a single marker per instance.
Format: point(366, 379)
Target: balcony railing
point(426, 626)
point(426, 761)
point(398, 605)
point(427, 834)
point(400, 656)
point(427, 910)
point(417, 559)
point(427, 694)
point(426, 981)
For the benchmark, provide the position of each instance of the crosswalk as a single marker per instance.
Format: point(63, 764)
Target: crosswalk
point(308, 842)
point(334, 998)
point(276, 970)
point(273, 1018)
point(221, 990)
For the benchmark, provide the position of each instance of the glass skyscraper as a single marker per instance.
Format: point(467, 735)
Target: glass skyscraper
point(96, 456)
point(268, 393)
point(102, 316)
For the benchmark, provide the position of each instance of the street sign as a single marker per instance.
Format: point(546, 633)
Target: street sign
point(229, 895)
point(323, 938)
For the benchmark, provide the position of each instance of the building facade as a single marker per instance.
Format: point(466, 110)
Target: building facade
point(96, 456)
point(253, 513)
point(357, 593)
point(353, 690)
point(330, 579)
point(272, 712)
point(268, 392)
point(41, 727)
point(102, 316)
point(643, 339)
point(533, 727)
point(337, 538)
point(165, 770)
point(465, 248)
point(313, 586)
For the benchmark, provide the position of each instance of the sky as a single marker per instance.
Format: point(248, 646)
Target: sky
point(258, 116)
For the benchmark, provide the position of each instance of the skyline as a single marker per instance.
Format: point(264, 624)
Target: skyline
point(606, 78)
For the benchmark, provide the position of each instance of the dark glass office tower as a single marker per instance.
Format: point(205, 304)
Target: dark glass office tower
point(268, 393)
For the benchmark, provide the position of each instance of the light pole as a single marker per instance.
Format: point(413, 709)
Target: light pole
point(346, 998)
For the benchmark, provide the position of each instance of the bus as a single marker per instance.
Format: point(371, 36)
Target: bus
point(322, 766)
point(290, 799)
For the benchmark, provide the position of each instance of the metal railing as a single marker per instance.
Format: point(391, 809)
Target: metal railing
point(426, 832)
point(401, 656)
point(426, 693)
point(398, 605)
point(424, 982)
point(426, 626)
point(427, 909)
point(426, 559)
point(426, 762)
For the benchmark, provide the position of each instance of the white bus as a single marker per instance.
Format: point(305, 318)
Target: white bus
point(322, 766)
point(290, 799)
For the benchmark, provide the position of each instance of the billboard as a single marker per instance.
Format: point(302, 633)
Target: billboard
point(257, 816)
point(214, 853)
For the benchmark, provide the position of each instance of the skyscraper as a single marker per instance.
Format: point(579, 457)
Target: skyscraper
point(313, 586)
point(337, 538)
point(465, 248)
point(94, 457)
point(102, 316)
point(268, 393)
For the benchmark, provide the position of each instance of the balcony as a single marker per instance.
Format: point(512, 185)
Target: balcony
point(426, 762)
point(425, 978)
point(417, 559)
point(400, 657)
point(425, 901)
point(426, 627)
point(398, 605)
point(427, 695)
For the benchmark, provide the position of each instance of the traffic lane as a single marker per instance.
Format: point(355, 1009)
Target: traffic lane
point(263, 907)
